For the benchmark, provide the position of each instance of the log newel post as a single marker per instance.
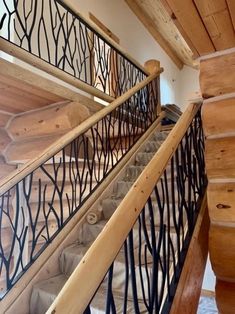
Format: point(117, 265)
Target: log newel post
point(152, 66)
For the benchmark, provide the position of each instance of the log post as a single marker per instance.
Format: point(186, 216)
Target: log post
point(152, 66)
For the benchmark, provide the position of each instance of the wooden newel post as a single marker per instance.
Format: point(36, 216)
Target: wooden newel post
point(152, 66)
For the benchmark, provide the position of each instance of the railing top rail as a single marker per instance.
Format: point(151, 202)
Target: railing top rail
point(73, 9)
point(107, 245)
point(17, 175)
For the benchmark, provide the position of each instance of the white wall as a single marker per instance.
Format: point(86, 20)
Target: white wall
point(136, 40)
point(188, 83)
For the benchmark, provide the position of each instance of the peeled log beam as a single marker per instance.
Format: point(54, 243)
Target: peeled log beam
point(217, 75)
point(48, 121)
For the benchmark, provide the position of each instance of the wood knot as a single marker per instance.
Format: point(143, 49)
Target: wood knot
point(222, 206)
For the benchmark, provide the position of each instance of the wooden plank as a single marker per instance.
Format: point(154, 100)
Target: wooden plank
point(48, 121)
point(225, 297)
point(150, 26)
point(222, 251)
point(216, 18)
point(216, 120)
point(188, 291)
point(220, 158)
point(189, 19)
point(231, 6)
point(105, 29)
point(217, 75)
point(221, 203)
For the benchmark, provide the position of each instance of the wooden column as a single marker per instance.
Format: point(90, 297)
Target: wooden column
point(217, 80)
point(152, 66)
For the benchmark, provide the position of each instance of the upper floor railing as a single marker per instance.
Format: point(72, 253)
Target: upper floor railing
point(38, 199)
point(63, 40)
point(151, 229)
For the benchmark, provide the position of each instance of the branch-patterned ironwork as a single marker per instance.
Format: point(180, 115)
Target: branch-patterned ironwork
point(53, 32)
point(34, 211)
point(144, 276)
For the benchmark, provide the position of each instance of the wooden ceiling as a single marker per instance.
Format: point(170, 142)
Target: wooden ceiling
point(187, 29)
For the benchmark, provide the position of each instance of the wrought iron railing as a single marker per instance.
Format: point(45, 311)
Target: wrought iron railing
point(144, 274)
point(37, 207)
point(51, 31)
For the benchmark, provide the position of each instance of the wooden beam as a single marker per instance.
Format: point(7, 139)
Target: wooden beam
point(216, 120)
point(189, 19)
point(180, 28)
point(217, 20)
point(150, 26)
point(217, 75)
point(48, 121)
point(189, 287)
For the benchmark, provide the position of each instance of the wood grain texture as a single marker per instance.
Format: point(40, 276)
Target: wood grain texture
point(225, 297)
point(221, 203)
point(217, 75)
point(187, 15)
point(151, 27)
point(220, 158)
point(222, 251)
point(216, 18)
point(216, 120)
point(46, 86)
point(48, 121)
point(188, 290)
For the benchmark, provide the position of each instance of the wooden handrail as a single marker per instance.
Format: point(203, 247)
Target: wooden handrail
point(53, 149)
point(82, 284)
point(40, 64)
point(73, 7)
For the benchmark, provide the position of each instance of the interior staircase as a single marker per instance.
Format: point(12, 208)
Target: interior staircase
point(45, 292)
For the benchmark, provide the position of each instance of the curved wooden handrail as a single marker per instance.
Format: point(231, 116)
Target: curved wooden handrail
point(17, 175)
point(74, 298)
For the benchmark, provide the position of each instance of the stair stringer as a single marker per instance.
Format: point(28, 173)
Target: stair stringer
point(46, 264)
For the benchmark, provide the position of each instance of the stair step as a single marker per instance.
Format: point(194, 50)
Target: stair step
point(142, 159)
point(72, 255)
point(45, 292)
point(152, 146)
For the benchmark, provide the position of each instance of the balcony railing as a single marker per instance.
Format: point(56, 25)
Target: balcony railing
point(53, 32)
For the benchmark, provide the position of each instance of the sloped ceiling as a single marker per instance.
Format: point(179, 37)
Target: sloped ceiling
point(187, 29)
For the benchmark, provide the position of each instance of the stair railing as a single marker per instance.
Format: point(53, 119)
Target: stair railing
point(54, 37)
point(39, 198)
point(152, 228)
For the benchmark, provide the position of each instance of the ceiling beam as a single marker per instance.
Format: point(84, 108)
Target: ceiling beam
point(189, 19)
point(150, 26)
